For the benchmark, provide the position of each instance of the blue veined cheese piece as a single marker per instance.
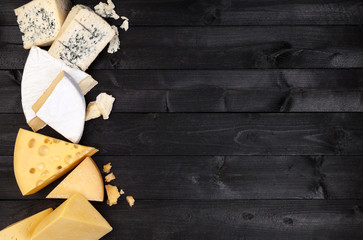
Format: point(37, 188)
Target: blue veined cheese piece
point(82, 38)
point(41, 20)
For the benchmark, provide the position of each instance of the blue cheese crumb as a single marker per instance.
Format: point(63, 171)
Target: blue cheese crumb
point(125, 24)
point(106, 10)
point(114, 45)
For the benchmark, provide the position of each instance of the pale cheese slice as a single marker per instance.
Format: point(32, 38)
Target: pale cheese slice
point(39, 72)
point(84, 37)
point(23, 229)
point(41, 20)
point(63, 108)
point(39, 159)
point(85, 179)
point(75, 219)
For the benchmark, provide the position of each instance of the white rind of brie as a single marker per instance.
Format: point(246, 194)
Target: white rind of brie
point(39, 72)
point(65, 109)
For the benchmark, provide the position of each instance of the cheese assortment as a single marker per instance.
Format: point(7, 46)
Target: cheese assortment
point(39, 160)
point(82, 38)
point(52, 93)
point(62, 107)
point(85, 179)
point(74, 219)
point(39, 72)
point(23, 229)
point(41, 20)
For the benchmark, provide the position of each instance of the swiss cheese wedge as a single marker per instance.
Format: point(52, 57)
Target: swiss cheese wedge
point(85, 178)
point(75, 219)
point(39, 159)
point(23, 229)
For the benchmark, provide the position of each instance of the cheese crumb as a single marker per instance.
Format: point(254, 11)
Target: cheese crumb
point(110, 177)
point(114, 45)
point(130, 200)
point(122, 192)
point(107, 10)
point(112, 194)
point(105, 104)
point(92, 111)
point(107, 168)
point(125, 23)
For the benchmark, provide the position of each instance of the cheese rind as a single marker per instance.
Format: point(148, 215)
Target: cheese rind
point(39, 159)
point(85, 179)
point(75, 219)
point(39, 72)
point(83, 39)
point(62, 107)
point(23, 229)
point(41, 20)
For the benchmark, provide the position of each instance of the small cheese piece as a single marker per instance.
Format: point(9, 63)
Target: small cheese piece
point(130, 200)
point(92, 111)
point(107, 168)
point(23, 229)
point(83, 39)
point(107, 10)
point(125, 23)
point(122, 192)
point(114, 45)
point(75, 219)
point(62, 107)
point(39, 72)
point(39, 160)
point(112, 194)
point(85, 179)
point(105, 104)
point(41, 20)
point(110, 177)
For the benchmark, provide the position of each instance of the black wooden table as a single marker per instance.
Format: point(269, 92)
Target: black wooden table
point(234, 119)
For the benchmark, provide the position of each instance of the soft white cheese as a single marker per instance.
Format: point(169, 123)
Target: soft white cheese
point(39, 72)
point(65, 109)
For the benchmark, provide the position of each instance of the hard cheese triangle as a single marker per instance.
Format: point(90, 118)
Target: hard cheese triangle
point(23, 229)
point(85, 178)
point(74, 219)
point(39, 72)
point(62, 107)
point(39, 160)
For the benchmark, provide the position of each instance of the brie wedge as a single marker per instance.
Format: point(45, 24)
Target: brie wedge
point(63, 108)
point(39, 71)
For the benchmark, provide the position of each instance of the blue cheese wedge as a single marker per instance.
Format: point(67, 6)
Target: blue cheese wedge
point(41, 20)
point(82, 39)
point(39, 71)
point(62, 107)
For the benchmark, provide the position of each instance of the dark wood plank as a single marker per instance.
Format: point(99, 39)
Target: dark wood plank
point(212, 134)
point(209, 48)
point(223, 12)
point(215, 91)
point(264, 219)
point(221, 177)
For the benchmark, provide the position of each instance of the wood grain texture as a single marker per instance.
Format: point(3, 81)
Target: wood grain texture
point(221, 177)
point(212, 134)
point(209, 48)
point(223, 12)
point(215, 91)
point(261, 219)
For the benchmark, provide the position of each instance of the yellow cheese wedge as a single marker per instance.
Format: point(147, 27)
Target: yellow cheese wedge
point(39, 160)
point(75, 219)
point(85, 178)
point(23, 229)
